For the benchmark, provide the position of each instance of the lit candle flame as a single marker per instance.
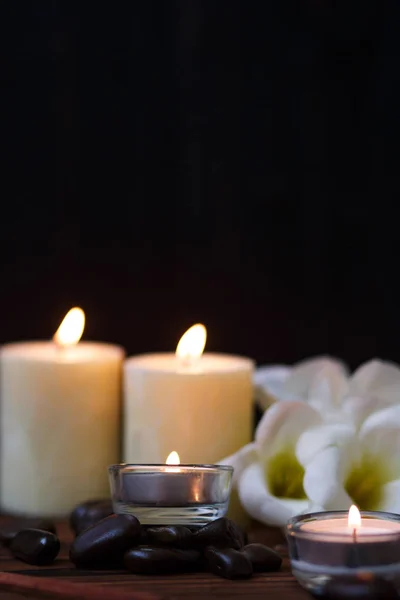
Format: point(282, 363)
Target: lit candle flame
point(173, 459)
point(354, 520)
point(70, 331)
point(191, 345)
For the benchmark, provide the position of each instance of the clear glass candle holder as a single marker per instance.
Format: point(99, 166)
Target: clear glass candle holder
point(189, 495)
point(325, 552)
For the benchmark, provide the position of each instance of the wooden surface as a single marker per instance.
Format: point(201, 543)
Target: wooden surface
point(273, 586)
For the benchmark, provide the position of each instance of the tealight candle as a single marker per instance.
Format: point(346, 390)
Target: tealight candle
point(171, 495)
point(324, 546)
point(60, 416)
point(201, 404)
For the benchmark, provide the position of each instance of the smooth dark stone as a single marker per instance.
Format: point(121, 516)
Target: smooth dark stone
point(168, 535)
point(35, 546)
point(282, 549)
point(10, 528)
point(104, 544)
point(221, 532)
point(365, 586)
point(262, 558)
point(245, 536)
point(228, 563)
point(88, 513)
point(150, 560)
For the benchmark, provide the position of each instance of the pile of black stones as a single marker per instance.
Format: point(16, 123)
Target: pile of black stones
point(104, 540)
point(108, 541)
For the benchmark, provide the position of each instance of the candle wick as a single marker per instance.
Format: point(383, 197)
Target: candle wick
point(355, 535)
point(189, 363)
point(186, 360)
point(59, 347)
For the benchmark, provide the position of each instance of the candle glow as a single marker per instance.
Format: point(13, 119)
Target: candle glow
point(70, 331)
point(192, 343)
point(173, 459)
point(75, 388)
point(335, 547)
point(354, 518)
point(185, 396)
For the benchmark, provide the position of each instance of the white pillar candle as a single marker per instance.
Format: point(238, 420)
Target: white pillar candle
point(60, 419)
point(199, 405)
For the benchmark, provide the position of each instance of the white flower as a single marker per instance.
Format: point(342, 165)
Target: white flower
point(344, 466)
point(325, 384)
point(268, 476)
point(374, 386)
point(327, 440)
point(281, 382)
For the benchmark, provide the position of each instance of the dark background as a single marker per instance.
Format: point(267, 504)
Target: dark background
point(229, 162)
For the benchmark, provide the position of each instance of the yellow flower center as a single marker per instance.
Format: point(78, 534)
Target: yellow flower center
point(365, 482)
point(284, 475)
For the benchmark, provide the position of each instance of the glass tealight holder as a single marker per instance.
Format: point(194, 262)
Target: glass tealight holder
point(326, 555)
point(190, 495)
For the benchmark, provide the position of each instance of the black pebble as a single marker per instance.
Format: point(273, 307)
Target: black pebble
point(10, 528)
point(104, 544)
point(282, 549)
point(168, 535)
point(155, 560)
point(221, 532)
point(228, 563)
point(365, 586)
point(88, 513)
point(35, 546)
point(262, 558)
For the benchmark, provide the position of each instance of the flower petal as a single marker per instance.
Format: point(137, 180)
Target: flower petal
point(259, 503)
point(328, 389)
point(282, 425)
point(356, 409)
point(380, 435)
point(313, 441)
point(378, 379)
point(268, 384)
point(391, 497)
point(240, 460)
point(324, 477)
point(304, 372)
